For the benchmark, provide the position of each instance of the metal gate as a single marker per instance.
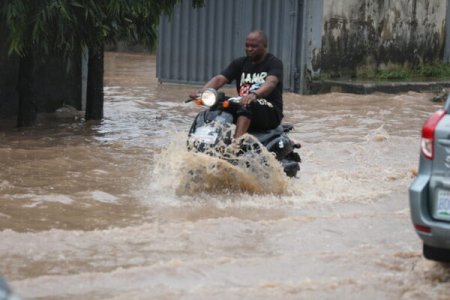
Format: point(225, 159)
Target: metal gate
point(196, 44)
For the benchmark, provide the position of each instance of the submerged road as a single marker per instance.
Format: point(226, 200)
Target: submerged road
point(95, 211)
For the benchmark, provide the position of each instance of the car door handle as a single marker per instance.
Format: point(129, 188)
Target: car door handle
point(444, 142)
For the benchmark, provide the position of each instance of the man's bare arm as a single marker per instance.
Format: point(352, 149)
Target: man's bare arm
point(267, 87)
point(216, 82)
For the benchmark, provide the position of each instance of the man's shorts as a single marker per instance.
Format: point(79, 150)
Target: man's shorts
point(262, 113)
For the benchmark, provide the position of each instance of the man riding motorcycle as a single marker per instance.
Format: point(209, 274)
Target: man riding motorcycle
point(259, 81)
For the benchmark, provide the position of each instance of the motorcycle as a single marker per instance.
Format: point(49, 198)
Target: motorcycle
point(212, 131)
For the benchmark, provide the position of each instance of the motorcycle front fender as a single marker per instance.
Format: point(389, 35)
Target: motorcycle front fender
point(207, 116)
point(281, 146)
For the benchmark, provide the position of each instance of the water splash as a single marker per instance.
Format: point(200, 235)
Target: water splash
point(186, 173)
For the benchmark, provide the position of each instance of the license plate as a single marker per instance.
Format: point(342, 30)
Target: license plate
point(443, 204)
point(205, 135)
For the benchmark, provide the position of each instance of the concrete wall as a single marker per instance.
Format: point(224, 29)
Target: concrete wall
point(447, 37)
point(55, 84)
point(367, 35)
point(8, 81)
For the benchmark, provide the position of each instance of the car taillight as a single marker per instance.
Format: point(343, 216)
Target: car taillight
point(427, 143)
point(423, 228)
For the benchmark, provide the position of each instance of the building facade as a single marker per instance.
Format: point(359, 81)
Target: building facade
point(341, 38)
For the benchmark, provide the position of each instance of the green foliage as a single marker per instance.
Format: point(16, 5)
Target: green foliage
point(435, 71)
point(393, 74)
point(426, 71)
point(66, 26)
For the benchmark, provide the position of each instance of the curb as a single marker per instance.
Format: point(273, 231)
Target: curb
point(327, 86)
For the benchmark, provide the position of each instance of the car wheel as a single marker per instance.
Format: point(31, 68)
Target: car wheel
point(437, 254)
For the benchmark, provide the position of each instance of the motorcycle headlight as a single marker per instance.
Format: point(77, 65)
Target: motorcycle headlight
point(209, 97)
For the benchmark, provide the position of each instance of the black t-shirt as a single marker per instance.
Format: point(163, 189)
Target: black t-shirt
point(249, 77)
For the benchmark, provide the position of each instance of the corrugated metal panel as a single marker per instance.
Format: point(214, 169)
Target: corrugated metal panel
point(196, 44)
point(447, 36)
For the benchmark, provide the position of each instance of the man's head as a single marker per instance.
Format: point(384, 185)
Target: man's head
point(256, 45)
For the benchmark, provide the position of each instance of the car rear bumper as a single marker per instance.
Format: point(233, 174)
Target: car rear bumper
point(439, 235)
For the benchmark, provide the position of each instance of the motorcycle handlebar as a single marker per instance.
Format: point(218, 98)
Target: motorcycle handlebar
point(231, 100)
point(235, 100)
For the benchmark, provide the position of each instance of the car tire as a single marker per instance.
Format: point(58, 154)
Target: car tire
point(437, 254)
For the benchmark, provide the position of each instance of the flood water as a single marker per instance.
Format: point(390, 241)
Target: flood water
point(94, 210)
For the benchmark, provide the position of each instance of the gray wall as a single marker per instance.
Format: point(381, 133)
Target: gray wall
point(196, 44)
point(447, 37)
point(337, 38)
point(55, 85)
point(366, 35)
point(8, 81)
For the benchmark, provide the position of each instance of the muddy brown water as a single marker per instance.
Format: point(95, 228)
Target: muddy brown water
point(94, 210)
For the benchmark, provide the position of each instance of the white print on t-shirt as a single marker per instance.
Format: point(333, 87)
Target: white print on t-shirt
point(264, 102)
point(253, 78)
point(247, 88)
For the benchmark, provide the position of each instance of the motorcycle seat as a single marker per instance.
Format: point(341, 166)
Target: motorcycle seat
point(265, 136)
point(287, 127)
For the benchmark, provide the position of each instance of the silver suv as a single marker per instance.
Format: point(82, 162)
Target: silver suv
point(429, 193)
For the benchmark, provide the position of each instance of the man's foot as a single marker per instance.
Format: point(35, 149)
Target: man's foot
point(234, 148)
